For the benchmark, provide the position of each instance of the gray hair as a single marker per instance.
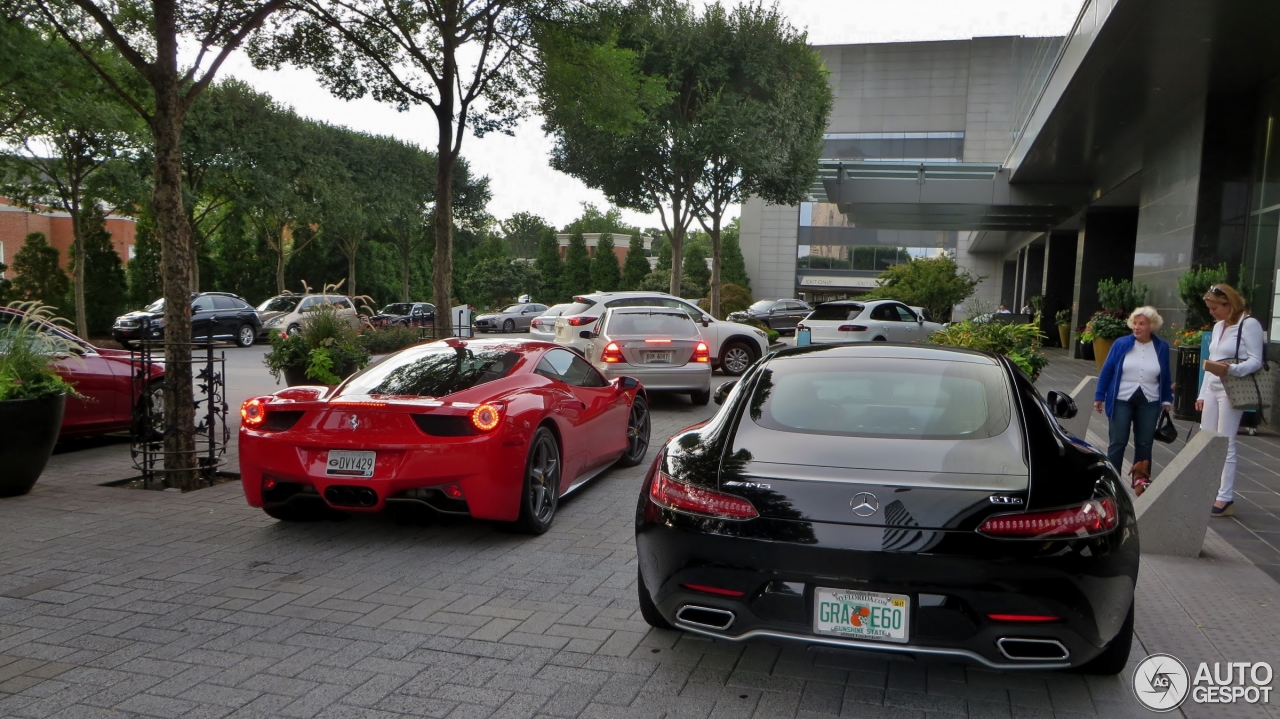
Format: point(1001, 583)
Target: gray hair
point(1153, 317)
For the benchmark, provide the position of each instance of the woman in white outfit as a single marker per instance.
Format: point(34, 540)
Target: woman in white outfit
point(1234, 327)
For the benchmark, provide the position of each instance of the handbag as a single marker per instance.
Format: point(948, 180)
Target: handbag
point(1166, 430)
point(1254, 392)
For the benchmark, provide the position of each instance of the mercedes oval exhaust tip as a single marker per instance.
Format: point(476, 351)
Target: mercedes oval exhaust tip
point(1032, 650)
point(705, 617)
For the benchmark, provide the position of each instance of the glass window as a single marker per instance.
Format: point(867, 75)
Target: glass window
point(202, 304)
point(651, 324)
point(904, 314)
point(157, 306)
point(761, 306)
point(225, 303)
point(399, 308)
point(898, 398)
point(283, 303)
point(582, 374)
point(433, 371)
point(580, 305)
point(555, 364)
point(694, 313)
point(835, 312)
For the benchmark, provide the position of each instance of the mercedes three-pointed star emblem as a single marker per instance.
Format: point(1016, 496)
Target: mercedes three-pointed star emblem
point(864, 504)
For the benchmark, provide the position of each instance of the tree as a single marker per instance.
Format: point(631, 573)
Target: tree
point(695, 270)
point(935, 283)
point(593, 220)
point(524, 230)
point(104, 276)
point(734, 269)
point(605, 275)
point(636, 264)
point(6, 286)
point(144, 267)
point(495, 281)
point(154, 84)
point(465, 61)
point(576, 277)
point(550, 266)
point(665, 254)
point(37, 275)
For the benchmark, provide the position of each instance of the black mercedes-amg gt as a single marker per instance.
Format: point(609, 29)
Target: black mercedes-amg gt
point(900, 498)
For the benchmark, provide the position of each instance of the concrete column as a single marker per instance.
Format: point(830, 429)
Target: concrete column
point(1104, 251)
point(1059, 274)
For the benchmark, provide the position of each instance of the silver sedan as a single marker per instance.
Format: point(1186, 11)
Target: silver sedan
point(660, 347)
point(512, 318)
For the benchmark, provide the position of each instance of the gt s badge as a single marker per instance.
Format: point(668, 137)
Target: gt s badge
point(1006, 500)
point(864, 504)
point(353, 422)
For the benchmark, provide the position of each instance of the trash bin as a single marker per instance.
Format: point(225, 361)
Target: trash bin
point(462, 316)
point(1186, 379)
point(802, 337)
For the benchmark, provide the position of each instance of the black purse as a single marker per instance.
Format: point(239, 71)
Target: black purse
point(1166, 430)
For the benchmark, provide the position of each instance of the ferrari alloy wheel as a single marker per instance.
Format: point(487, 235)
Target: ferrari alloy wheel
point(509, 326)
point(541, 483)
point(737, 358)
point(245, 336)
point(637, 434)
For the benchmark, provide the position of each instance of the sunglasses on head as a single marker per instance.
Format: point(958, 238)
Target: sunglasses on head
point(1218, 290)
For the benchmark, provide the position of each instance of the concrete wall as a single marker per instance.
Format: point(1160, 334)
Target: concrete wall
point(987, 266)
point(898, 87)
point(1167, 208)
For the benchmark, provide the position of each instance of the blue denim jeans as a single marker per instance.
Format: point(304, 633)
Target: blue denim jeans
point(1142, 415)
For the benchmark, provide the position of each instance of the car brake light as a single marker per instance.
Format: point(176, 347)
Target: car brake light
point(612, 353)
point(486, 417)
point(670, 494)
point(652, 341)
point(714, 590)
point(254, 412)
point(701, 353)
point(1023, 617)
point(852, 328)
point(581, 320)
point(1097, 516)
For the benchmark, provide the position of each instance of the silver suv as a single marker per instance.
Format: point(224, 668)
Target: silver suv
point(285, 313)
point(733, 346)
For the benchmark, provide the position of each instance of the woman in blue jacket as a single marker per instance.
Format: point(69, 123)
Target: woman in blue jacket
point(1135, 385)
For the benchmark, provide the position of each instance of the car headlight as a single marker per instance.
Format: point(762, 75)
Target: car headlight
point(274, 321)
point(760, 332)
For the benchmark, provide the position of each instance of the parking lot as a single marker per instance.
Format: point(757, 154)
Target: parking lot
point(118, 602)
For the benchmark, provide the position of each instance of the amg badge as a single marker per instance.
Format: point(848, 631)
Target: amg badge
point(1005, 500)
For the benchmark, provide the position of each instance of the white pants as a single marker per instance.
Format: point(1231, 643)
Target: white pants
point(1219, 416)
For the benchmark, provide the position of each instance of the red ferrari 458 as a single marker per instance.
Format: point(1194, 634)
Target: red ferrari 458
point(494, 429)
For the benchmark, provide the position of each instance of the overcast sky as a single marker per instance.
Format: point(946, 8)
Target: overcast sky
point(519, 175)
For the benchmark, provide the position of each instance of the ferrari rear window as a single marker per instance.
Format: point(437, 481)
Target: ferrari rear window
point(891, 398)
point(670, 325)
point(433, 371)
point(837, 313)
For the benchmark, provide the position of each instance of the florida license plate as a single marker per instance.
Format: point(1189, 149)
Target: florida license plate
point(861, 615)
point(346, 463)
point(657, 358)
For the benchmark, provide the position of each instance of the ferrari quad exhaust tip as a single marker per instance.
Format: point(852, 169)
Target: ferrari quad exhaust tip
point(706, 617)
point(351, 496)
point(1031, 650)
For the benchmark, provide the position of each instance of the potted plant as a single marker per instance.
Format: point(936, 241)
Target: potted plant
point(1063, 320)
point(1019, 342)
point(1085, 334)
point(1107, 326)
point(326, 351)
point(32, 395)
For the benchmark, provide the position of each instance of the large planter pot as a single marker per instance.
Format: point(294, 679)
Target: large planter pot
point(1064, 335)
point(30, 429)
point(294, 376)
point(1186, 382)
point(1101, 348)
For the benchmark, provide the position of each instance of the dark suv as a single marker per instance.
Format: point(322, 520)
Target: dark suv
point(220, 315)
point(781, 315)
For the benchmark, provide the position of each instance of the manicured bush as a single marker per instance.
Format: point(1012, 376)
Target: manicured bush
point(1019, 342)
point(388, 339)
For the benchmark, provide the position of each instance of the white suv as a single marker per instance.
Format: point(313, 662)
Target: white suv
point(733, 346)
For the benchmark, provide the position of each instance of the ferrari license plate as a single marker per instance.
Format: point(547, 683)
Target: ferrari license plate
point(657, 357)
point(861, 615)
point(346, 463)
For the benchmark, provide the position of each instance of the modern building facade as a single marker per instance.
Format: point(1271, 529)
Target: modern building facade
point(1141, 145)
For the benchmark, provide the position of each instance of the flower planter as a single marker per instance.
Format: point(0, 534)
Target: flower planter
point(1186, 382)
point(30, 429)
point(1064, 335)
point(1101, 348)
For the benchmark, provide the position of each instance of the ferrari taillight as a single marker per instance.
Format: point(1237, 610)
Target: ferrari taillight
point(701, 353)
point(1097, 516)
point(486, 417)
point(581, 320)
point(254, 412)
point(670, 494)
point(612, 353)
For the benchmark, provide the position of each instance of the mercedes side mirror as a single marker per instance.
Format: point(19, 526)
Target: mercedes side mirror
point(585, 334)
point(1062, 405)
point(722, 392)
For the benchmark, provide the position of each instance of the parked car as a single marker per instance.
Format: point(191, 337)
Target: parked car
point(405, 314)
point(903, 499)
point(869, 321)
point(217, 315)
point(779, 315)
point(733, 346)
point(543, 327)
point(106, 379)
point(293, 309)
point(661, 347)
point(512, 318)
point(497, 429)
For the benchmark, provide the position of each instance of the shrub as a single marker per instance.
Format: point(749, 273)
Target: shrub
point(1062, 317)
point(1192, 287)
point(326, 347)
point(1105, 325)
point(935, 283)
point(733, 298)
point(1019, 342)
point(30, 353)
point(1123, 296)
point(388, 339)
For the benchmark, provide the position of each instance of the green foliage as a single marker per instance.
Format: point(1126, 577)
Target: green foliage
point(105, 283)
point(664, 253)
point(523, 232)
point(1123, 296)
point(733, 266)
point(935, 283)
point(327, 349)
point(27, 362)
point(1108, 325)
point(660, 281)
point(1192, 286)
point(491, 283)
point(696, 273)
point(576, 277)
point(6, 287)
point(1062, 317)
point(636, 264)
point(773, 334)
point(733, 298)
point(144, 267)
point(38, 277)
point(605, 275)
point(595, 221)
point(1019, 342)
point(550, 266)
point(388, 339)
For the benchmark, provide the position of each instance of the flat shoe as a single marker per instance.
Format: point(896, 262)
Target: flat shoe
point(1224, 511)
